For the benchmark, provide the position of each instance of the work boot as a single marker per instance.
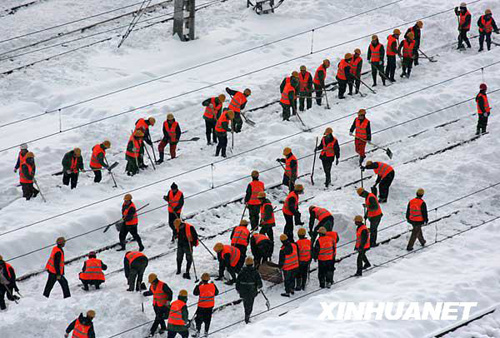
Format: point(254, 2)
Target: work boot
point(85, 287)
point(409, 249)
point(285, 294)
point(480, 49)
point(141, 247)
point(231, 282)
point(247, 319)
point(358, 273)
point(122, 247)
point(298, 288)
point(160, 160)
point(196, 334)
point(186, 275)
point(478, 131)
point(328, 285)
point(162, 331)
point(206, 334)
point(366, 266)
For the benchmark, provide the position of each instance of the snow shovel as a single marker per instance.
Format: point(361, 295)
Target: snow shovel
point(39, 190)
point(194, 265)
point(120, 220)
point(307, 129)
point(247, 120)
point(150, 159)
point(314, 161)
point(210, 252)
point(326, 98)
point(387, 150)
point(427, 57)
point(268, 304)
point(194, 139)
point(110, 172)
point(364, 83)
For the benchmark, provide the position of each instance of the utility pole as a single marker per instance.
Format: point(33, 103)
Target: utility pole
point(184, 19)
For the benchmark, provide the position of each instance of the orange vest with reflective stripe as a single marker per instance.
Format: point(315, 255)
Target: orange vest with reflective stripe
point(256, 186)
point(354, 64)
point(416, 210)
point(361, 128)
point(270, 221)
point(303, 81)
point(134, 220)
point(291, 260)
point(74, 164)
point(326, 248)
point(211, 113)
point(341, 70)
point(171, 130)
point(22, 158)
point(133, 255)
point(175, 316)
point(335, 236)
point(383, 169)
point(188, 228)
point(321, 213)
point(462, 20)
point(80, 330)
point(375, 52)
point(173, 200)
point(487, 25)
point(288, 166)
point(96, 150)
point(390, 40)
point(8, 268)
point(304, 246)
point(136, 150)
point(207, 295)
point(316, 75)
point(93, 270)
point(22, 177)
point(408, 48)
point(328, 149)
point(234, 254)
point(259, 238)
point(240, 236)
point(237, 101)
point(141, 124)
point(373, 213)
point(50, 264)
point(160, 297)
point(358, 237)
point(286, 205)
point(486, 103)
point(286, 91)
point(218, 126)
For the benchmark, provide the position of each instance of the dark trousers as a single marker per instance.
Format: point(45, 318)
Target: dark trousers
point(416, 232)
point(302, 275)
point(97, 176)
point(342, 87)
point(319, 93)
point(362, 259)
point(136, 274)
point(248, 306)
point(243, 253)
point(182, 251)
point(221, 144)
point(374, 223)
point(50, 284)
point(286, 111)
point(384, 186)
point(132, 229)
point(232, 270)
point(254, 211)
point(203, 316)
point(482, 123)
point(325, 272)
point(462, 37)
point(210, 131)
point(171, 218)
point(161, 313)
point(390, 70)
point(290, 183)
point(327, 167)
point(87, 283)
point(267, 229)
point(132, 167)
point(3, 292)
point(263, 253)
point(305, 97)
point(289, 276)
point(29, 190)
point(482, 36)
point(356, 82)
point(183, 334)
point(378, 67)
point(73, 178)
point(237, 122)
point(288, 230)
point(407, 65)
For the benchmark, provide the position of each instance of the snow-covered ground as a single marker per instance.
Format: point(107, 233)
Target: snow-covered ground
point(463, 267)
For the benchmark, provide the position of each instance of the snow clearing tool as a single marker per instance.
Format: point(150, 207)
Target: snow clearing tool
point(194, 139)
point(326, 98)
point(431, 59)
point(314, 161)
point(268, 303)
point(150, 159)
point(194, 265)
point(387, 150)
point(210, 252)
point(111, 172)
point(39, 190)
point(120, 220)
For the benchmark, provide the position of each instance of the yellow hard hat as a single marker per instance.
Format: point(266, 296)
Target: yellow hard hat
point(348, 56)
point(369, 163)
point(411, 35)
point(183, 293)
point(138, 133)
point(249, 261)
point(303, 68)
point(170, 116)
point(77, 151)
point(152, 121)
point(177, 223)
point(326, 63)
point(205, 276)
point(29, 154)
point(361, 112)
point(295, 74)
point(420, 24)
point(244, 222)
point(222, 98)
point(283, 237)
point(358, 219)
point(420, 192)
point(396, 32)
point(311, 207)
point(287, 151)
point(106, 144)
point(374, 37)
point(488, 11)
point(322, 230)
point(357, 51)
point(127, 197)
point(298, 187)
point(91, 313)
point(230, 114)
point(218, 247)
point(1, 258)
point(463, 4)
point(152, 277)
point(360, 191)
point(247, 92)
point(302, 232)
point(60, 240)
point(255, 174)
point(261, 194)
point(328, 131)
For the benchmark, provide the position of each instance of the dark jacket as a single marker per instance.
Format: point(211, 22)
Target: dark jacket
point(12, 278)
point(372, 202)
point(336, 147)
point(293, 165)
point(382, 53)
point(423, 210)
point(18, 163)
point(207, 102)
point(364, 238)
point(185, 317)
point(166, 289)
point(232, 93)
point(293, 81)
point(147, 135)
point(248, 193)
point(182, 236)
point(57, 261)
point(130, 214)
point(143, 260)
point(368, 130)
point(468, 18)
point(178, 132)
point(316, 248)
point(286, 249)
point(375, 165)
point(416, 35)
point(493, 23)
point(101, 157)
point(179, 206)
point(268, 210)
point(248, 282)
point(66, 161)
point(26, 171)
point(263, 249)
point(480, 101)
point(85, 321)
point(196, 290)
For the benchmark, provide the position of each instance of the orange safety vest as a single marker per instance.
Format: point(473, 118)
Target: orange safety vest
point(93, 270)
point(270, 221)
point(240, 236)
point(207, 295)
point(335, 236)
point(175, 316)
point(50, 264)
point(173, 200)
point(304, 246)
point(259, 238)
point(376, 212)
point(22, 177)
point(160, 297)
point(136, 150)
point(134, 220)
point(390, 40)
point(291, 260)
point(408, 48)
point(358, 237)
point(171, 130)
point(326, 248)
point(341, 75)
point(487, 25)
point(354, 64)
point(9, 267)
point(375, 52)
point(133, 255)
point(141, 124)
point(321, 213)
point(303, 81)
point(286, 205)
point(22, 158)
point(234, 254)
point(211, 113)
point(416, 210)
point(316, 75)
point(462, 20)
point(80, 330)
point(288, 166)
point(218, 126)
point(383, 169)
point(237, 101)
point(74, 164)
point(94, 162)
point(256, 187)
point(189, 236)
point(328, 149)
point(486, 103)
point(284, 96)
point(361, 128)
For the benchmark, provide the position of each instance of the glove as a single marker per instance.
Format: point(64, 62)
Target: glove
point(362, 168)
point(15, 170)
point(58, 277)
point(337, 161)
point(66, 335)
point(165, 198)
point(350, 134)
point(145, 294)
point(278, 160)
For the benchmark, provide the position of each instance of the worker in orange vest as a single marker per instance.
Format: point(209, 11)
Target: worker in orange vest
point(162, 296)
point(134, 265)
point(130, 223)
point(291, 210)
point(144, 125)
point(213, 109)
point(175, 200)
point(248, 285)
point(27, 176)
point(416, 215)
point(330, 152)
point(409, 52)
point(362, 133)
point(239, 239)
point(417, 34)
point(362, 245)
point(178, 317)
point(206, 290)
point(464, 22)
point(98, 159)
point(304, 247)
point(92, 272)
point(385, 176)
point(324, 217)
point(324, 252)
point(252, 198)
point(392, 51)
point(288, 89)
point(356, 67)
point(229, 259)
point(486, 25)
point(483, 109)
point(373, 213)
point(133, 154)
point(262, 248)
point(171, 136)
point(222, 127)
point(375, 57)
point(344, 75)
point(72, 163)
point(319, 80)
point(291, 168)
point(305, 88)
point(238, 102)
point(267, 220)
point(82, 327)
point(21, 157)
point(7, 283)
point(187, 239)
point(289, 263)
point(55, 269)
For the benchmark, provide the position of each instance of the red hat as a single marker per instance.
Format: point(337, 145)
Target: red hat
point(483, 86)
